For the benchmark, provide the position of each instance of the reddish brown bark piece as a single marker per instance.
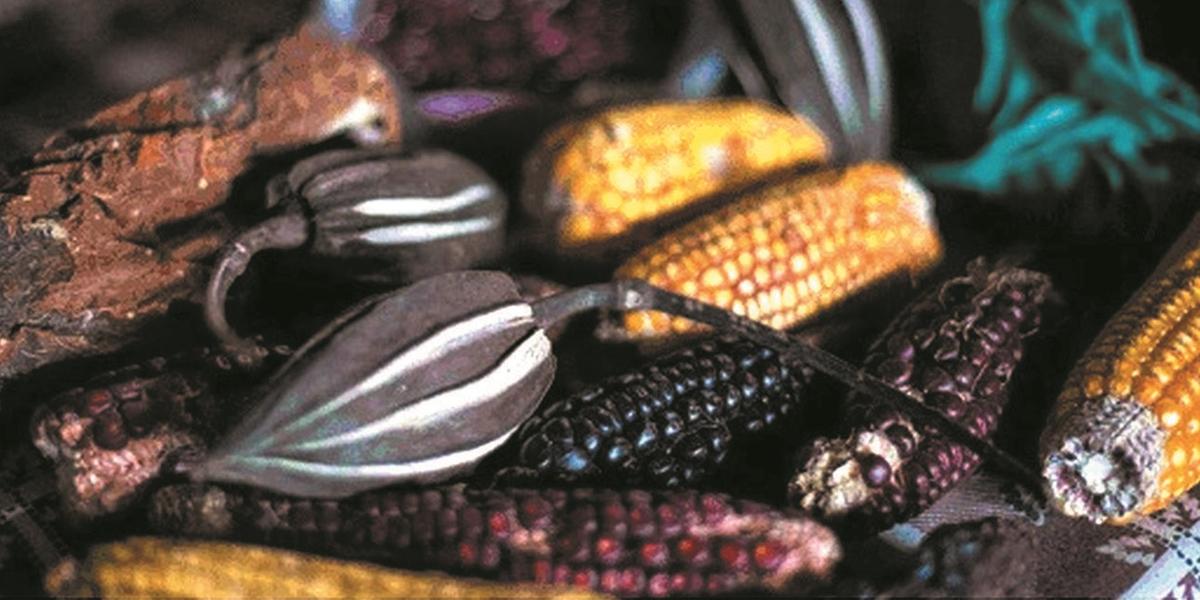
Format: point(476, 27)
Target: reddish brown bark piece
point(84, 260)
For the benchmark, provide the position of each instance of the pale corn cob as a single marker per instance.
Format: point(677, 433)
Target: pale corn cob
point(1125, 436)
point(784, 253)
point(597, 178)
point(161, 568)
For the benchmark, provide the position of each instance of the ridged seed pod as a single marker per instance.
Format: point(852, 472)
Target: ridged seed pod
point(663, 425)
point(111, 436)
point(372, 216)
point(1124, 439)
point(161, 568)
point(414, 386)
point(629, 543)
point(956, 348)
point(596, 179)
point(786, 252)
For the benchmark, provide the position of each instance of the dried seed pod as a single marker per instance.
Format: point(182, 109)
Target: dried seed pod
point(956, 347)
point(1124, 439)
point(628, 543)
point(160, 568)
point(421, 384)
point(666, 424)
point(417, 385)
point(598, 178)
point(111, 436)
point(826, 60)
point(114, 222)
point(782, 254)
point(371, 216)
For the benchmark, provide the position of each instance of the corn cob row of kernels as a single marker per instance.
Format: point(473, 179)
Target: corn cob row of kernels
point(161, 568)
point(1124, 438)
point(629, 543)
point(666, 424)
point(109, 437)
point(595, 179)
point(782, 254)
point(956, 348)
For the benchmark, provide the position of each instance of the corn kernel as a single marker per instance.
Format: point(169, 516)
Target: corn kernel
point(789, 272)
point(630, 165)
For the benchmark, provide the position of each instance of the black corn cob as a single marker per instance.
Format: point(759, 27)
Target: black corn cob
point(111, 435)
point(664, 425)
point(630, 543)
point(956, 348)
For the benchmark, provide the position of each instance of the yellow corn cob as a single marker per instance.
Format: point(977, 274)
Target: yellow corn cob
point(1125, 436)
point(599, 177)
point(161, 568)
point(788, 251)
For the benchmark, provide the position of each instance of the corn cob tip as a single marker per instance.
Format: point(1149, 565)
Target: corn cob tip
point(841, 475)
point(1105, 464)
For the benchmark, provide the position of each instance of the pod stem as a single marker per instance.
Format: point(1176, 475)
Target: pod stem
point(285, 231)
point(632, 294)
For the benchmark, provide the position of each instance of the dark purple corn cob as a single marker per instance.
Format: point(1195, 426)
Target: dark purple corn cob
point(664, 425)
point(955, 348)
point(542, 45)
point(109, 437)
point(630, 543)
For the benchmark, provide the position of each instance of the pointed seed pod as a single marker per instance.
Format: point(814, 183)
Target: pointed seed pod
point(826, 60)
point(417, 385)
point(628, 543)
point(596, 179)
point(160, 568)
point(782, 254)
point(1124, 439)
point(956, 347)
point(663, 425)
point(371, 216)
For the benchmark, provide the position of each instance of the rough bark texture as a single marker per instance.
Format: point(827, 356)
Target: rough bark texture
point(107, 225)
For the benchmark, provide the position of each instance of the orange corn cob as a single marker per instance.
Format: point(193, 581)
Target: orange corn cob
point(1125, 436)
point(788, 251)
point(599, 177)
point(160, 568)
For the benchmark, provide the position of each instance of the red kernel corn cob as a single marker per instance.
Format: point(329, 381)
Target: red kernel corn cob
point(111, 436)
point(782, 254)
point(598, 178)
point(628, 543)
point(1125, 436)
point(957, 347)
point(159, 568)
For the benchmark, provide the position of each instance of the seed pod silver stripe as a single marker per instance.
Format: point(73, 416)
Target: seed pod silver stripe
point(823, 41)
point(386, 472)
point(866, 31)
point(422, 206)
point(517, 365)
point(422, 354)
point(419, 233)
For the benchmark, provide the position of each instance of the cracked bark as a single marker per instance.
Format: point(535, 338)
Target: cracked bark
point(110, 223)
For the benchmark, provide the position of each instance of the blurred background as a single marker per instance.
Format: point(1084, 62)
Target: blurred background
point(60, 60)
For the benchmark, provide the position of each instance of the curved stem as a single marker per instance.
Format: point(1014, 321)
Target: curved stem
point(631, 294)
point(288, 230)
